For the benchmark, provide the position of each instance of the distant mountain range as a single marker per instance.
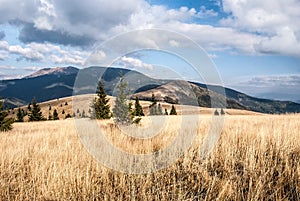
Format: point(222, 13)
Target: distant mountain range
point(53, 83)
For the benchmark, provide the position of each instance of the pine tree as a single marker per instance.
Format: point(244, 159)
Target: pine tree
point(153, 107)
point(50, 107)
point(55, 115)
point(68, 116)
point(20, 116)
point(5, 122)
point(216, 112)
point(101, 107)
point(138, 110)
point(63, 112)
point(29, 107)
point(159, 110)
point(50, 117)
point(173, 111)
point(83, 114)
point(166, 111)
point(36, 114)
point(121, 110)
point(222, 111)
point(66, 103)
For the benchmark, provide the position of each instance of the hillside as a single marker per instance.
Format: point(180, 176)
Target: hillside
point(48, 84)
point(82, 103)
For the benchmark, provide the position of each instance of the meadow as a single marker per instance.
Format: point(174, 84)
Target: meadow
point(256, 158)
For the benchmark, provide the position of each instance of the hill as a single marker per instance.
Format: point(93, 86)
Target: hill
point(75, 105)
point(48, 84)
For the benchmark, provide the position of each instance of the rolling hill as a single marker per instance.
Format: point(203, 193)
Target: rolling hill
point(53, 83)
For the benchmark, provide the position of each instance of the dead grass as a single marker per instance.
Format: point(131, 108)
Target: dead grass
point(257, 158)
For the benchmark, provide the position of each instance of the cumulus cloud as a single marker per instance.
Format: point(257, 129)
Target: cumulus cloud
point(83, 23)
point(44, 53)
point(277, 20)
point(134, 63)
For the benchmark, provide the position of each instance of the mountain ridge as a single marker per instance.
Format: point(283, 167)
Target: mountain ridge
point(47, 84)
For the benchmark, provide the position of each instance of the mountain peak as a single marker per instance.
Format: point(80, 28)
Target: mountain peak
point(54, 71)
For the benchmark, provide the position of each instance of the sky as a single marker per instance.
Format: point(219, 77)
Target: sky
point(254, 44)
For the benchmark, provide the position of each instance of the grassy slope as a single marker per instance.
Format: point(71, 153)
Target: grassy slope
point(255, 159)
point(83, 102)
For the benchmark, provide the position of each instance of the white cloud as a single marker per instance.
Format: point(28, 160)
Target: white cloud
point(32, 68)
point(27, 53)
point(277, 20)
point(44, 53)
point(133, 62)
point(7, 67)
point(272, 81)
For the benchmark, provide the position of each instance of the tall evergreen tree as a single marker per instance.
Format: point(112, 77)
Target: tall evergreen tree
point(138, 109)
point(29, 107)
point(121, 110)
point(20, 116)
point(55, 115)
point(101, 107)
point(166, 111)
point(159, 110)
point(155, 109)
point(35, 114)
point(173, 111)
point(216, 113)
point(222, 111)
point(50, 117)
point(5, 122)
point(83, 114)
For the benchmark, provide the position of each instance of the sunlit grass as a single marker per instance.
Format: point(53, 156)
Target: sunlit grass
point(256, 158)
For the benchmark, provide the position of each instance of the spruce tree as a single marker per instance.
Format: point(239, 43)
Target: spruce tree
point(29, 107)
point(121, 110)
point(222, 111)
point(68, 116)
point(101, 107)
point(159, 110)
point(36, 114)
point(216, 112)
point(153, 107)
point(166, 111)
point(173, 111)
point(55, 115)
point(138, 110)
point(63, 112)
point(83, 114)
point(20, 116)
point(50, 117)
point(5, 122)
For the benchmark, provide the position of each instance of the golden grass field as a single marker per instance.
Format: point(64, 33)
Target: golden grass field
point(257, 158)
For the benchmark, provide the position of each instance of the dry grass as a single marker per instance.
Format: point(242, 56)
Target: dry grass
point(83, 102)
point(257, 158)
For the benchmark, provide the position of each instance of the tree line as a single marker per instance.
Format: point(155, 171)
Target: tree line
point(123, 111)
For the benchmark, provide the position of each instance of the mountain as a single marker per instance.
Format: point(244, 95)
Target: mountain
point(53, 83)
point(186, 93)
point(54, 71)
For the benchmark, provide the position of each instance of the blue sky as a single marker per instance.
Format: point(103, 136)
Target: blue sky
point(254, 44)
